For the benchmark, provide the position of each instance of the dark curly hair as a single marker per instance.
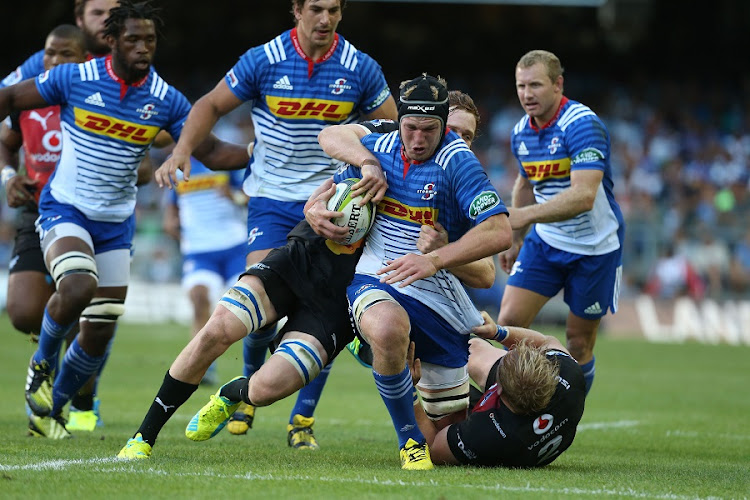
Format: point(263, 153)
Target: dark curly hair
point(115, 23)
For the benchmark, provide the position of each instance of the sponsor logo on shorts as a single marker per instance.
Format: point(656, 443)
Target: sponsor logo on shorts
point(483, 202)
point(594, 308)
point(254, 233)
point(516, 268)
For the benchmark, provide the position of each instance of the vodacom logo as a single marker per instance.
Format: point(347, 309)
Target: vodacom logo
point(52, 141)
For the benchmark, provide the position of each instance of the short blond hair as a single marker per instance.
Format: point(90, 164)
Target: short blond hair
point(550, 61)
point(528, 378)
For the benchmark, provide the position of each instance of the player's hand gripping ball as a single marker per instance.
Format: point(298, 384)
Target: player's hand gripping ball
point(357, 219)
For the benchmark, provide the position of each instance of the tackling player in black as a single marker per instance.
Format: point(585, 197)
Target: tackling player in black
point(533, 398)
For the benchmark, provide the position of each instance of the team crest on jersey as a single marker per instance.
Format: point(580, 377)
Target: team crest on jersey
point(109, 126)
point(554, 145)
point(484, 201)
point(397, 210)
point(428, 192)
point(339, 86)
point(304, 109)
point(543, 423)
point(541, 170)
point(147, 111)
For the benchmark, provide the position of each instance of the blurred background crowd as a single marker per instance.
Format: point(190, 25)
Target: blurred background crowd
point(675, 97)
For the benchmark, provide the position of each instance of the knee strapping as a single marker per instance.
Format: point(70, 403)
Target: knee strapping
point(103, 310)
point(303, 356)
point(243, 302)
point(73, 263)
point(440, 404)
point(367, 300)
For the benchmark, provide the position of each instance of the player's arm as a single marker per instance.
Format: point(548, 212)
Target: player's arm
point(145, 170)
point(522, 196)
point(578, 198)
point(200, 121)
point(17, 186)
point(477, 274)
point(171, 220)
point(491, 236)
point(343, 142)
point(220, 155)
point(387, 111)
point(21, 96)
point(510, 335)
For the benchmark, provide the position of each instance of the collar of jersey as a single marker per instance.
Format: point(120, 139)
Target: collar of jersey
point(113, 75)
point(552, 120)
point(326, 56)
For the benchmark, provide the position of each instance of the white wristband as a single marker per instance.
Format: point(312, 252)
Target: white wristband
point(7, 174)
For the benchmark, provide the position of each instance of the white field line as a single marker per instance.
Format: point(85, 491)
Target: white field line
point(595, 426)
point(110, 465)
point(704, 435)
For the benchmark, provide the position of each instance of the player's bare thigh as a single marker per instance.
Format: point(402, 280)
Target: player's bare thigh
point(519, 306)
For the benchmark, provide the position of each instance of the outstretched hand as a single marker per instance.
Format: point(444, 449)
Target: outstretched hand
point(166, 174)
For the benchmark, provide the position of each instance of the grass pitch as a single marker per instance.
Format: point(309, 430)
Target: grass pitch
point(662, 421)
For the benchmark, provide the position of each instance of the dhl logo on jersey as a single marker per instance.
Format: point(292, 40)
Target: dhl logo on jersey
point(202, 183)
point(109, 126)
point(551, 169)
point(303, 109)
point(397, 210)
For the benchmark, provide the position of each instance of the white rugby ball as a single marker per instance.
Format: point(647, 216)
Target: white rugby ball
point(357, 219)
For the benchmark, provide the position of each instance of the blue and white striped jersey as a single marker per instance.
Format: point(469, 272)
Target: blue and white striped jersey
point(209, 219)
point(31, 67)
point(293, 99)
point(107, 127)
point(575, 139)
point(451, 188)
